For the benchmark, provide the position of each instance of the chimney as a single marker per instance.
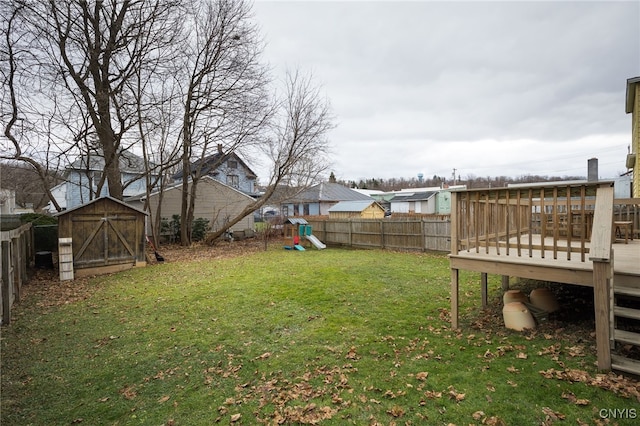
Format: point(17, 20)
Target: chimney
point(219, 148)
point(592, 170)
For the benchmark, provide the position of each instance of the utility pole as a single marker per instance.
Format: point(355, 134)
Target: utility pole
point(454, 176)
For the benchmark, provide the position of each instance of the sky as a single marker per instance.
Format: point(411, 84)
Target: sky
point(507, 88)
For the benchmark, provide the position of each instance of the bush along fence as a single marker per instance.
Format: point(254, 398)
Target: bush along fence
point(16, 253)
point(430, 233)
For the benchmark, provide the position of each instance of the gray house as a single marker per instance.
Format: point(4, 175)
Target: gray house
point(215, 202)
point(316, 200)
point(227, 168)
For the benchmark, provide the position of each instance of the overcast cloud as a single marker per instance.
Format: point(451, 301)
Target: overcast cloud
point(488, 88)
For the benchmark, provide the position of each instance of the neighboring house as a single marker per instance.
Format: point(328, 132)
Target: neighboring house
point(215, 202)
point(8, 204)
point(228, 169)
point(423, 202)
point(365, 209)
point(83, 175)
point(7, 201)
point(633, 106)
point(316, 200)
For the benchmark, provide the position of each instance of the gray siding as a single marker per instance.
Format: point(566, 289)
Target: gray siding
point(214, 201)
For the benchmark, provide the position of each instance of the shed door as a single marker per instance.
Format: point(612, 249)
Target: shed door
point(104, 240)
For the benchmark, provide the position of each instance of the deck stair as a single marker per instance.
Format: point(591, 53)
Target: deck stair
point(626, 321)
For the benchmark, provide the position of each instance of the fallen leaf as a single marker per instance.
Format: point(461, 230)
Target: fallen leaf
point(553, 415)
point(396, 411)
point(235, 417)
point(422, 375)
point(128, 392)
point(433, 394)
point(478, 415)
point(352, 353)
point(164, 399)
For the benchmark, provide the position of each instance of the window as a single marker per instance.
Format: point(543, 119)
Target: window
point(233, 180)
point(232, 164)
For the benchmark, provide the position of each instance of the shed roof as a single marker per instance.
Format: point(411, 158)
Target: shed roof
point(353, 206)
point(64, 212)
point(297, 221)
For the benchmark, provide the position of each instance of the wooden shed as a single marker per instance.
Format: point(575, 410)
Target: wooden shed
point(106, 234)
point(366, 209)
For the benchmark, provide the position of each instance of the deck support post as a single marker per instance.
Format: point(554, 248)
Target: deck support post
point(483, 289)
point(454, 297)
point(505, 282)
point(602, 274)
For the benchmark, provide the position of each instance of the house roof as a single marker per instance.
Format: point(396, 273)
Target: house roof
point(631, 93)
point(330, 192)
point(210, 163)
point(129, 162)
point(353, 206)
point(417, 196)
point(209, 179)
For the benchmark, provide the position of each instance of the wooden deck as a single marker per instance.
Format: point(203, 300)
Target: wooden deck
point(562, 234)
point(536, 264)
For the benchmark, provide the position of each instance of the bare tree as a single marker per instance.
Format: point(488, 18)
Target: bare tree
point(13, 50)
point(82, 56)
point(225, 96)
point(298, 148)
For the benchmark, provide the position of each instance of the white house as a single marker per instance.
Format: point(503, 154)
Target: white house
point(7, 201)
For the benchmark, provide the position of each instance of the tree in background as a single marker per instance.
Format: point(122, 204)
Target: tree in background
point(224, 92)
point(70, 66)
point(167, 78)
point(297, 147)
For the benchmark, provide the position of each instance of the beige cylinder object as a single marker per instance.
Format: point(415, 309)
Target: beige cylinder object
point(544, 299)
point(517, 316)
point(514, 296)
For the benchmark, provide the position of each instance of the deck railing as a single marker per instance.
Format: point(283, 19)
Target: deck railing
point(552, 221)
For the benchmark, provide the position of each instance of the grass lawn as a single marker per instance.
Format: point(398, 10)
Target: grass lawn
point(333, 337)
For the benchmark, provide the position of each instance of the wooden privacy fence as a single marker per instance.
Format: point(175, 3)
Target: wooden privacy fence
point(420, 234)
point(16, 253)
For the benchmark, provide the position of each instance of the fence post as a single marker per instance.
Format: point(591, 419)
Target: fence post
point(17, 267)
point(6, 282)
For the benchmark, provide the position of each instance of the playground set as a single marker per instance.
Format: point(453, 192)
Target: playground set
point(297, 228)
